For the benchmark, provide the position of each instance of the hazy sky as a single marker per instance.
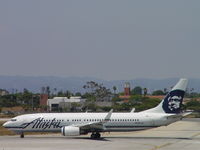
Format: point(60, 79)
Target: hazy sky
point(107, 39)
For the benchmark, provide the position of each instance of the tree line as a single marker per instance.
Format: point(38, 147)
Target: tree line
point(95, 92)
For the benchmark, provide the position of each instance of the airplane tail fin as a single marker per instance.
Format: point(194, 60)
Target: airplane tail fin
point(171, 104)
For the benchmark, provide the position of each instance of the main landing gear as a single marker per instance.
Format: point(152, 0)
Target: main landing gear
point(95, 135)
point(22, 135)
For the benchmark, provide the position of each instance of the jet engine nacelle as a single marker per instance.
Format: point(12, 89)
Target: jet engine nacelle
point(70, 131)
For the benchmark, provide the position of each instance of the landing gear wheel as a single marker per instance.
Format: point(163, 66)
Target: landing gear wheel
point(96, 135)
point(93, 136)
point(22, 135)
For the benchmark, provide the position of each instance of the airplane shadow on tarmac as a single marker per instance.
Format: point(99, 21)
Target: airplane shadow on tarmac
point(134, 138)
point(109, 138)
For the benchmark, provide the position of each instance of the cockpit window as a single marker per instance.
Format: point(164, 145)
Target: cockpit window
point(13, 119)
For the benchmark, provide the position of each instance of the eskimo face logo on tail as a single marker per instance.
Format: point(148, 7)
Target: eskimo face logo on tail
point(173, 101)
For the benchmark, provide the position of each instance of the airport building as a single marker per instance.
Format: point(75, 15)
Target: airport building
point(64, 103)
point(3, 92)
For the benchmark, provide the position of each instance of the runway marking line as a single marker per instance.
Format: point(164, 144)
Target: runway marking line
point(161, 146)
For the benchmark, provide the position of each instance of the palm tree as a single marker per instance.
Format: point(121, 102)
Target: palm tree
point(145, 91)
point(55, 90)
point(114, 89)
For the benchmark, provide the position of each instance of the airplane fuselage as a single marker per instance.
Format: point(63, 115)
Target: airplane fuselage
point(53, 122)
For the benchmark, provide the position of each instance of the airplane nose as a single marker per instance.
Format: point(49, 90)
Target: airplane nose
point(5, 124)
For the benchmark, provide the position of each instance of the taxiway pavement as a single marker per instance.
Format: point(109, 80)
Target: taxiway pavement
point(182, 135)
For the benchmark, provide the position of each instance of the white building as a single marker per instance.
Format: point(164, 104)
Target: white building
point(63, 102)
point(3, 92)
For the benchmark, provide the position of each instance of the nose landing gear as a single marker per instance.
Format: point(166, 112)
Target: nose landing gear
point(22, 135)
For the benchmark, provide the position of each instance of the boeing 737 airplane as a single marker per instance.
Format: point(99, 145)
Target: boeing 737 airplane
point(74, 124)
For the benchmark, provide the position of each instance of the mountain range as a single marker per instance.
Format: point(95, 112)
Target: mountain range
point(75, 84)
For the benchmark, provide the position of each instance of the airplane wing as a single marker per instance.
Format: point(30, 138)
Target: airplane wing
point(95, 125)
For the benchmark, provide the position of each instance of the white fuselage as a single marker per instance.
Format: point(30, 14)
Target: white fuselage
point(53, 122)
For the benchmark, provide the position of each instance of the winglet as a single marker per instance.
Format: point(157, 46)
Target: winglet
point(107, 118)
point(132, 110)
